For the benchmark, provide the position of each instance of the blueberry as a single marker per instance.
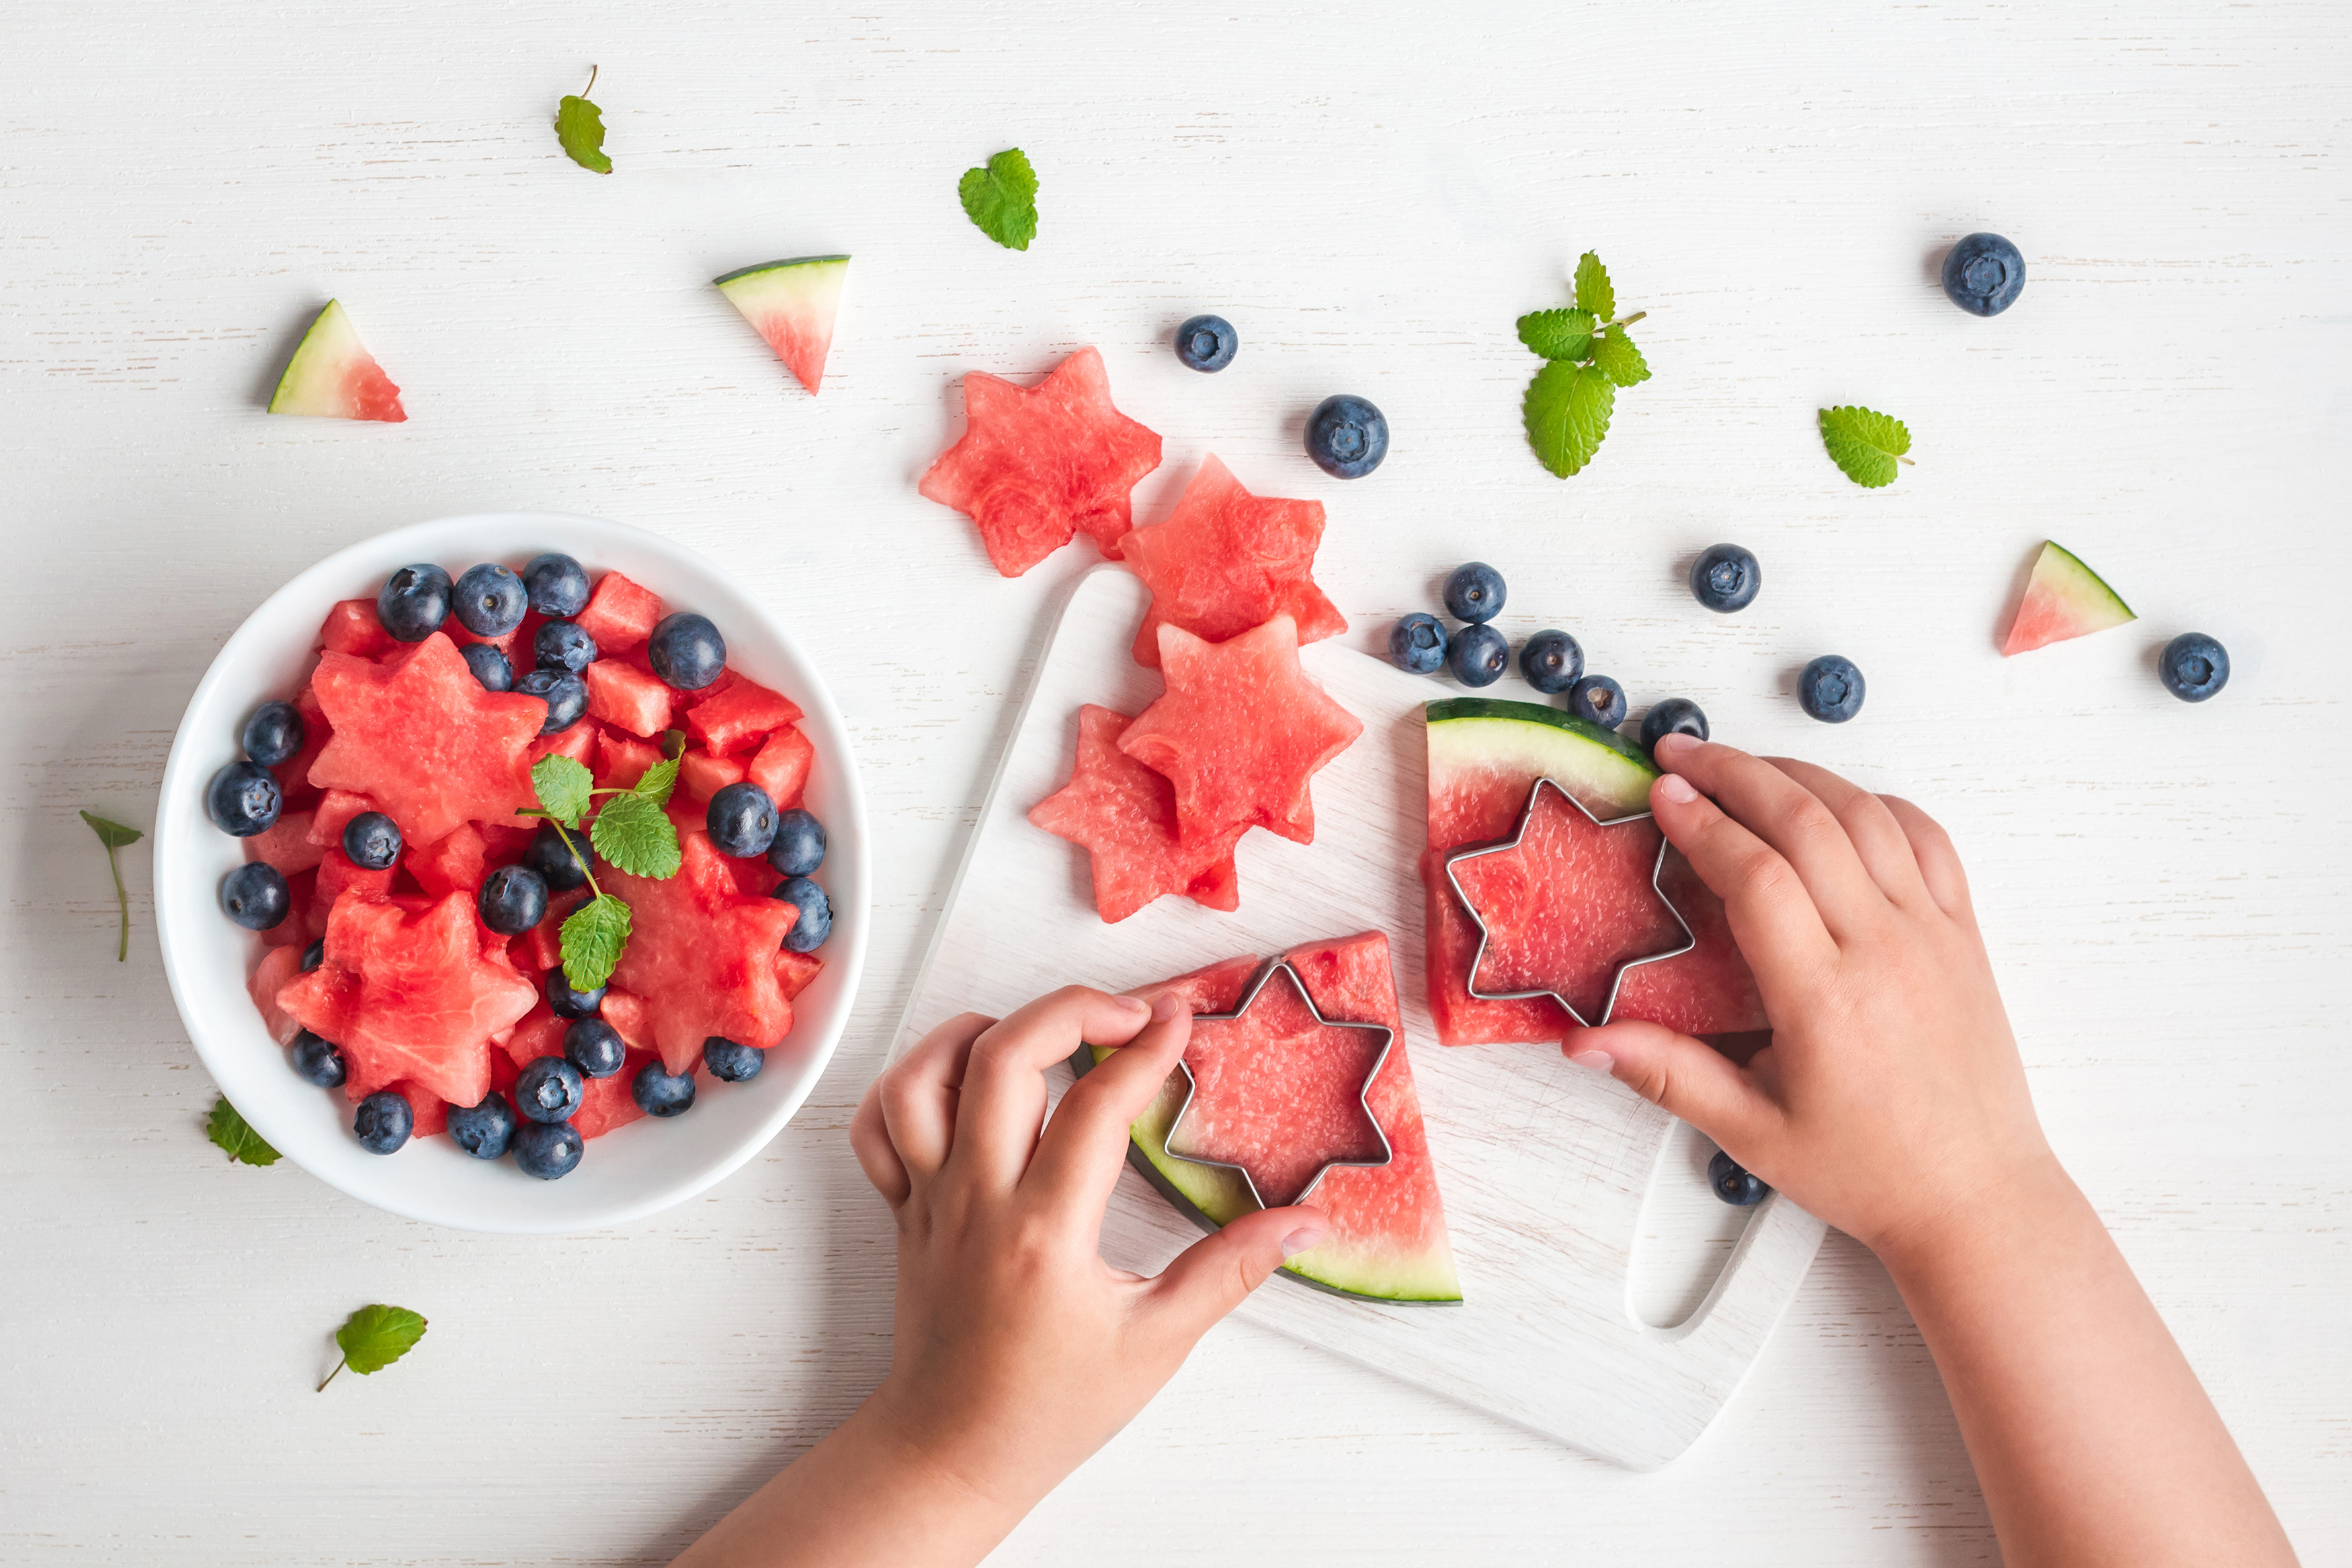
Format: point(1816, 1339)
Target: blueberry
point(1725, 578)
point(557, 584)
point(815, 923)
point(549, 1089)
point(741, 820)
point(414, 601)
point(483, 1130)
point(273, 733)
point(1475, 592)
point(1676, 715)
point(314, 954)
point(547, 1149)
point(1206, 343)
point(563, 861)
point(1552, 661)
point(513, 899)
point(372, 840)
point(565, 694)
point(562, 645)
point(1830, 689)
point(490, 668)
point(384, 1121)
point(489, 599)
point(567, 1003)
point(594, 1047)
point(1479, 655)
point(317, 1061)
point(734, 1063)
point(799, 847)
point(243, 798)
point(660, 1094)
point(1732, 1183)
point(686, 651)
point(1597, 699)
point(1417, 643)
point(1347, 437)
point(2193, 666)
point(1983, 274)
point(255, 896)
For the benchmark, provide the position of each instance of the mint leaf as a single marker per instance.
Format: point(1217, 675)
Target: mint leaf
point(636, 835)
point(1558, 334)
point(1593, 291)
point(114, 836)
point(657, 783)
point(1619, 360)
point(1568, 409)
point(580, 128)
point(238, 1141)
point(563, 787)
point(594, 936)
point(1865, 442)
point(373, 1338)
point(1001, 200)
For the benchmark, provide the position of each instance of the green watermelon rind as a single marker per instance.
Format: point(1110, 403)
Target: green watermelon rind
point(1600, 767)
point(792, 285)
point(312, 379)
point(1202, 1194)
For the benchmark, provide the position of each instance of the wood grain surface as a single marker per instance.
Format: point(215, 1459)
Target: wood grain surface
point(1371, 196)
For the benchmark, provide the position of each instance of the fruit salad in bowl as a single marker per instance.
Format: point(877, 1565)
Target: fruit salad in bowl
point(512, 872)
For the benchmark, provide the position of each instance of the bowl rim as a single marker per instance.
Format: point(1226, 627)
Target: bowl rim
point(319, 585)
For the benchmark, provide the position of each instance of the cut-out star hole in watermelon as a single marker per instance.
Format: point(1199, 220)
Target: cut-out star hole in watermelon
point(1279, 1092)
point(702, 954)
point(1567, 904)
point(1226, 560)
point(426, 741)
point(1038, 463)
point(1124, 815)
point(1240, 732)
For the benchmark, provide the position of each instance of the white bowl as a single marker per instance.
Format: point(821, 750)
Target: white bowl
point(628, 1174)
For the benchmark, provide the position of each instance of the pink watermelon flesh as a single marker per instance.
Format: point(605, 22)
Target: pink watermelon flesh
point(1226, 560)
point(702, 955)
point(336, 809)
point(337, 877)
point(795, 970)
point(332, 374)
point(625, 697)
point(619, 614)
point(286, 845)
point(738, 718)
point(293, 775)
point(1123, 816)
point(456, 863)
point(700, 775)
point(2063, 598)
point(277, 968)
point(1039, 465)
point(352, 627)
point(622, 761)
point(782, 767)
point(791, 304)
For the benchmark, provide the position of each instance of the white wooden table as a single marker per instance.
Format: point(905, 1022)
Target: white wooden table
point(1372, 198)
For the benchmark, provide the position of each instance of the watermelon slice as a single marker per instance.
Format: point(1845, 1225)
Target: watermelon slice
point(739, 718)
point(1226, 560)
point(791, 304)
point(1123, 816)
point(1387, 1239)
point(619, 614)
point(2063, 598)
point(1038, 464)
point(621, 695)
point(1485, 755)
point(332, 374)
point(702, 955)
point(1239, 732)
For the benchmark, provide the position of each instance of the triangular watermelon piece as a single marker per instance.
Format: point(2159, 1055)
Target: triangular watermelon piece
point(333, 376)
point(1226, 560)
point(1124, 815)
point(791, 304)
point(2063, 598)
point(702, 955)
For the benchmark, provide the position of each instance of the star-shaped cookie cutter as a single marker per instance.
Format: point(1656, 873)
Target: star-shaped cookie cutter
point(1363, 1096)
point(1527, 815)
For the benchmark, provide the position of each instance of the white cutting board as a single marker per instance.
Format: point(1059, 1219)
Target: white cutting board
point(1545, 1167)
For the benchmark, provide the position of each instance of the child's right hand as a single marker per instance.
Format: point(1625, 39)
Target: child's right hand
point(1890, 1095)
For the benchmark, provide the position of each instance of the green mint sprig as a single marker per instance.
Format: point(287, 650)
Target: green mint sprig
point(1588, 355)
point(1866, 445)
point(230, 1133)
point(373, 1338)
point(630, 830)
point(115, 836)
point(580, 128)
point(1001, 199)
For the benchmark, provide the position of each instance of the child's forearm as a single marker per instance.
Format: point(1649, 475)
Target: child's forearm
point(2090, 1434)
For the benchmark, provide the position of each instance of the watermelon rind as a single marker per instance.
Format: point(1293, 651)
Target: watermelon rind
point(319, 380)
point(793, 304)
point(1601, 768)
point(1212, 1198)
point(2064, 599)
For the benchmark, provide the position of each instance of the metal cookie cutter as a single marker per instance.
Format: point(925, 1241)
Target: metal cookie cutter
point(1527, 815)
point(1363, 1096)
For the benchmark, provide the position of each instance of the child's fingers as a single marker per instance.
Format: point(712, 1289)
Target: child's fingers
point(1216, 1273)
point(869, 1139)
point(1003, 1100)
point(1939, 863)
point(1787, 816)
point(1877, 838)
point(1077, 1160)
point(1773, 916)
point(918, 1092)
point(1681, 1075)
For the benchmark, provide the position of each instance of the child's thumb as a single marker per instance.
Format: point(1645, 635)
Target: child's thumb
point(1687, 1077)
point(1211, 1277)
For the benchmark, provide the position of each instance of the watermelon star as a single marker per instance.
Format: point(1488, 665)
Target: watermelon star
point(1567, 904)
point(702, 955)
point(1239, 732)
point(426, 741)
point(1037, 465)
point(1226, 560)
point(1123, 816)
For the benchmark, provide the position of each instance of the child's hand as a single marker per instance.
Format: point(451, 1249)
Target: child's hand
point(1892, 1093)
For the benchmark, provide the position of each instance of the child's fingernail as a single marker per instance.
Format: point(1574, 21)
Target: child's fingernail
point(1135, 1004)
point(1598, 1060)
point(1674, 787)
point(1673, 742)
point(1300, 1240)
point(1166, 1005)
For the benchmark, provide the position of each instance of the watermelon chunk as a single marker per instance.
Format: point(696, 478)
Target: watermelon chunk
point(1123, 816)
point(537, 1033)
point(2063, 598)
point(293, 775)
point(429, 1111)
point(576, 742)
point(625, 697)
point(335, 813)
point(1387, 1239)
point(332, 375)
point(782, 767)
point(455, 864)
point(426, 739)
point(337, 876)
point(1240, 732)
point(737, 717)
point(301, 890)
point(277, 966)
point(702, 955)
point(286, 844)
point(791, 304)
point(352, 627)
point(700, 775)
point(795, 970)
point(621, 762)
point(619, 614)
point(1226, 560)
point(631, 1019)
point(609, 1103)
point(1038, 464)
